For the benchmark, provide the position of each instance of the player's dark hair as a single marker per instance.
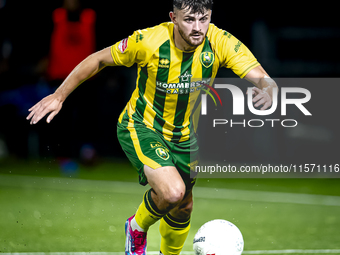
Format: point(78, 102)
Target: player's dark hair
point(196, 6)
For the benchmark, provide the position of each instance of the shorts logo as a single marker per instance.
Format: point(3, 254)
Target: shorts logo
point(123, 45)
point(162, 153)
point(207, 58)
point(156, 144)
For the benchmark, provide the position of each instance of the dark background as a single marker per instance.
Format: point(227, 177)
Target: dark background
point(290, 39)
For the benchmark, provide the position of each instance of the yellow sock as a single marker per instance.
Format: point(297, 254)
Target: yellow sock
point(147, 213)
point(174, 232)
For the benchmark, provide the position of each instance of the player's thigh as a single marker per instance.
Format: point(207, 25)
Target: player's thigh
point(185, 157)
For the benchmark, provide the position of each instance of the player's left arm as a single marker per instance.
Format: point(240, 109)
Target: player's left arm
point(263, 92)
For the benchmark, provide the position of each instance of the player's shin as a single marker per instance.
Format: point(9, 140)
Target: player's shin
point(174, 233)
point(147, 213)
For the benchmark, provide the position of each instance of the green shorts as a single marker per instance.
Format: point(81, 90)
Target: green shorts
point(144, 146)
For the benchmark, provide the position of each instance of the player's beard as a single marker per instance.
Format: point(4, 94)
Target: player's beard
point(187, 39)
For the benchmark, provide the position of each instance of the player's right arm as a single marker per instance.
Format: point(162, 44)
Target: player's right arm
point(83, 71)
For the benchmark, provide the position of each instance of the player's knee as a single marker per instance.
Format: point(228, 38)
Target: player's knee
point(174, 195)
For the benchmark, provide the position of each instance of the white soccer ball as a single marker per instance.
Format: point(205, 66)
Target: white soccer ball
point(218, 237)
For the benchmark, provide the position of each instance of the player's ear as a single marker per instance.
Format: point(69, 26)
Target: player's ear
point(172, 16)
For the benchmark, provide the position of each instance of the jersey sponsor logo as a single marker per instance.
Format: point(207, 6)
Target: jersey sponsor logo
point(162, 153)
point(178, 88)
point(207, 58)
point(139, 38)
point(227, 34)
point(123, 45)
point(164, 63)
point(183, 87)
point(237, 46)
point(186, 77)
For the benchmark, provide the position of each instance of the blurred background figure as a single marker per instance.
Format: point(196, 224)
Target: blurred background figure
point(72, 40)
point(35, 61)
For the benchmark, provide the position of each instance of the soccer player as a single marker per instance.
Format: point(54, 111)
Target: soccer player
point(155, 128)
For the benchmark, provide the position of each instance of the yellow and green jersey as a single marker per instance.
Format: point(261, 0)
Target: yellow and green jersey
point(168, 82)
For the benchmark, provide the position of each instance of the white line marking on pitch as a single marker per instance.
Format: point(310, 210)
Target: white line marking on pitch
point(291, 251)
point(296, 251)
point(134, 188)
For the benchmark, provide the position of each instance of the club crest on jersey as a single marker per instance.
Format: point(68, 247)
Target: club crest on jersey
point(162, 153)
point(207, 58)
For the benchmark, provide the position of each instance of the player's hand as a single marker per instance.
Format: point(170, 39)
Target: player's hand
point(50, 104)
point(261, 97)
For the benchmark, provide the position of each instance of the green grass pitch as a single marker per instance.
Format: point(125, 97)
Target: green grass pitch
point(43, 210)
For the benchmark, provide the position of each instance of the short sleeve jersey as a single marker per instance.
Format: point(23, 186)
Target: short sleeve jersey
point(169, 80)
